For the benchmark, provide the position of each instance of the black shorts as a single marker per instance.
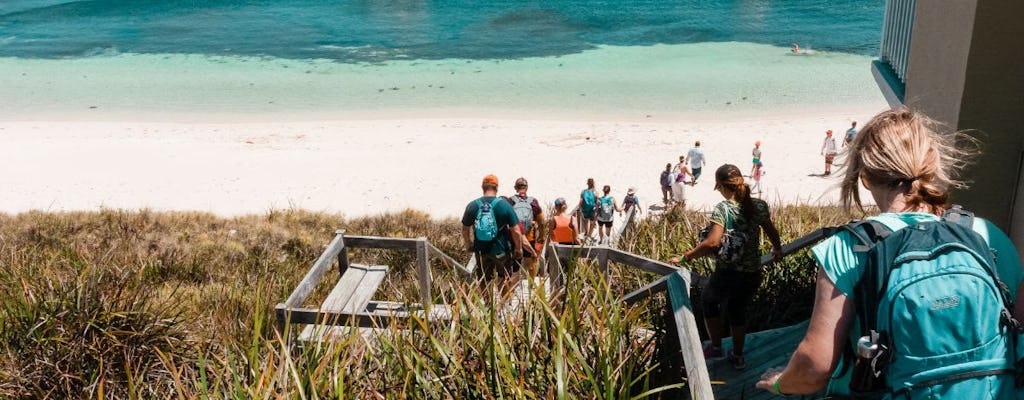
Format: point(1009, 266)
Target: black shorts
point(490, 266)
point(604, 223)
point(731, 289)
point(696, 173)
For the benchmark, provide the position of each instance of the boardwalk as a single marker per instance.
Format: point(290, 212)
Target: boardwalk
point(763, 350)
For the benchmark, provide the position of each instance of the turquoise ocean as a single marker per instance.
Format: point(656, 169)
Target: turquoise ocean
point(313, 58)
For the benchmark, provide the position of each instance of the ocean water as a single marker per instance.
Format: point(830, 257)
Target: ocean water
point(640, 59)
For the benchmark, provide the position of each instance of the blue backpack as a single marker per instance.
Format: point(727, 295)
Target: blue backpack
point(485, 229)
point(589, 200)
point(931, 309)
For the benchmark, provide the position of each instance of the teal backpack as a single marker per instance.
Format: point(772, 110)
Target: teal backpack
point(607, 209)
point(486, 227)
point(589, 200)
point(932, 310)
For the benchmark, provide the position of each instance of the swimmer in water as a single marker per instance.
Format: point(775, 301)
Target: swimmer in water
point(796, 48)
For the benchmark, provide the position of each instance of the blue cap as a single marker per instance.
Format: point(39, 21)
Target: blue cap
point(559, 202)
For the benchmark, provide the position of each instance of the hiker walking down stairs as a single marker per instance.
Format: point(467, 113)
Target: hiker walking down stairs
point(588, 207)
point(734, 238)
point(531, 221)
point(606, 214)
point(563, 227)
point(490, 229)
point(921, 294)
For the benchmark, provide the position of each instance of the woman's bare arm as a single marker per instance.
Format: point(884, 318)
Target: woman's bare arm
point(811, 366)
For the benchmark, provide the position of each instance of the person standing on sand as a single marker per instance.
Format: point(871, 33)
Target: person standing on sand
point(631, 200)
point(738, 272)
point(531, 219)
point(850, 134)
point(678, 186)
point(588, 207)
point(828, 149)
point(696, 157)
point(756, 153)
point(490, 230)
point(666, 183)
point(563, 227)
point(606, 214)
point(756, 175)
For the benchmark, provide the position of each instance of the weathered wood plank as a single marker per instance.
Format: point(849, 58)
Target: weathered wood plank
point(570, 251)
point(641, 262)
point(802, 242)
point(471, 264)
point(646, 291)
point(374, 242)
point(309, 282)
point(619, 229)
point(689, 338)
point(343, 254)
point(556, 275)
point(364, 291)
point(343, 290)
point(602, 262)
point(423, 271)
point(302, 315)
point(449, 261)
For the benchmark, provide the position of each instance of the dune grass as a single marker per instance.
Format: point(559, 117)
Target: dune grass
point(143, 304)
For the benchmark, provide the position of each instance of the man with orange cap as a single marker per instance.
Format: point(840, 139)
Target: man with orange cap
point(490, 229)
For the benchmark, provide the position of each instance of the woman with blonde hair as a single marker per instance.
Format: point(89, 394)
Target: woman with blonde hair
point(909, 169)
point(734, 238)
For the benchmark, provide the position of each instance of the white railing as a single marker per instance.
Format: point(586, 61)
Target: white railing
point(896, 27)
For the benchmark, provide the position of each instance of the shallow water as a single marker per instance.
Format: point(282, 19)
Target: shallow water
point(107, 59)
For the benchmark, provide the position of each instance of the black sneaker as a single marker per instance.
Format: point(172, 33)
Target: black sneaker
point(738, 362)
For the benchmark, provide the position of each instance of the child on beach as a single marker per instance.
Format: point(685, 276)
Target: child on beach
point(757, 174)
point(756, 153)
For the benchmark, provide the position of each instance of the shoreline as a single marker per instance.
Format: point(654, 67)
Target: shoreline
point(433, 165)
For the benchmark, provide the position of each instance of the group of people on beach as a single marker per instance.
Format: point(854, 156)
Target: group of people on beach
point(674, 178)
point(506, 232)
point(909, 169)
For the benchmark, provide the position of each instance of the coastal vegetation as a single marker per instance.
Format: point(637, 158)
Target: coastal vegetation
point(145, 304)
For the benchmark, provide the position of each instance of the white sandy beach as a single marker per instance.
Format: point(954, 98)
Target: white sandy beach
point(374, 165)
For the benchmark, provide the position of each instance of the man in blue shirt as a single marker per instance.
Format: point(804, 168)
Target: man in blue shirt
point(850, 134)
point(696, 157)
point(490, 229)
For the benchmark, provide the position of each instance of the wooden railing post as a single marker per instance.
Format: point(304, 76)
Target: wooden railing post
point(423, 272)
point(602, 261)
point(343, 254)
point(555, 273)
point(697, 375)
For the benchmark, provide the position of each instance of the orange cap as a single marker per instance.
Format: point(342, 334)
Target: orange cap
point(828, 131)
point(490, 179)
